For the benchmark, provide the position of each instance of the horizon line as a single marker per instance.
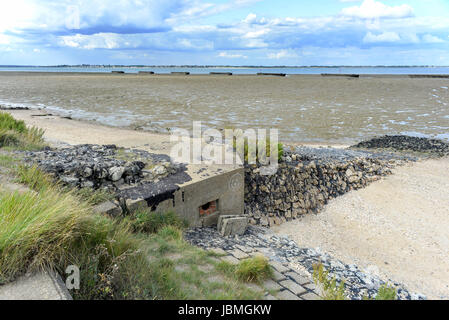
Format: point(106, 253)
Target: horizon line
point(223, 66)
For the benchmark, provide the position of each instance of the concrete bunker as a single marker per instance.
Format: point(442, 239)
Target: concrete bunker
point(200, 201)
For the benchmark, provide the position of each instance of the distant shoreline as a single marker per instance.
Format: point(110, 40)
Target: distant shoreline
point(348, 75)
point(208, 66)
point(289, 70)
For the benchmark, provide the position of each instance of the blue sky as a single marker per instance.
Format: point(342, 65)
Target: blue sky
point(225, 32)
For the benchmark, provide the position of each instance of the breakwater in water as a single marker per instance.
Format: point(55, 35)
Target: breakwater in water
point(308, 178)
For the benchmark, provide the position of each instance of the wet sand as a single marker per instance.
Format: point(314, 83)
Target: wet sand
point(396, 228)
point(306, 108)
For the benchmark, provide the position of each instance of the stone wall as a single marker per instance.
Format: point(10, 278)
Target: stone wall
point(307, 179)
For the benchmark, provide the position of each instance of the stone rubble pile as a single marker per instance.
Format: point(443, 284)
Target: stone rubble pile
point(101, 166)
point(435, 147)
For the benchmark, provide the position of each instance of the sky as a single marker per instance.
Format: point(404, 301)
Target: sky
point(225, 32)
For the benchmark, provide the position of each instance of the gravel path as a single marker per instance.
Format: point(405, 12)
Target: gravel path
point(395, 228)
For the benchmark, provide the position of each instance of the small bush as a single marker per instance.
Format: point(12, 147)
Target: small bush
point(386, 292)
point(7, 122)
point(152, 222)
point(254, 269)
point(255, 153)
point(330, 290)
point(14, 133)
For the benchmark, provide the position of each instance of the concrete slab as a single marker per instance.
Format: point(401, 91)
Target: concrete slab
point(293, 287)
point(37, 286)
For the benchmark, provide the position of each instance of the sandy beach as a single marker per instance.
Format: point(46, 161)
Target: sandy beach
point(395, 228)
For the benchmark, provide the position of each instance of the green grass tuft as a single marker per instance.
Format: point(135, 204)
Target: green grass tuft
point(37, 230)
point(14, 133)
point(170, 232)
point(330, 290)
point(386, 292)
point(254, 269)
point(94, 197)
point(34, 178)
point(152, 222)
point(7, 122)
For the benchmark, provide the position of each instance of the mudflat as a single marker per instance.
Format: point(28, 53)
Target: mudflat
point(395, 228)
point(305, 108)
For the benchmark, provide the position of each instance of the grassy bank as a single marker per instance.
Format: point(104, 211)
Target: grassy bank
point(15, 134)
point(142, 256)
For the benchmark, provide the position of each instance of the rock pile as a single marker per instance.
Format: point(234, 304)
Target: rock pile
point(407, 143)
point(101, 166)
point(308, 178)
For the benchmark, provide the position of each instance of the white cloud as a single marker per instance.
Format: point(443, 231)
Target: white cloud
point(231, 56)
point(256, 33)
point(428, 38)
point(250, 18)
point(371, 9)
point(95, 41)
point(282, 54)
point(382, 37)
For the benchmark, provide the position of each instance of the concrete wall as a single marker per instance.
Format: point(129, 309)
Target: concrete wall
point(227, 188)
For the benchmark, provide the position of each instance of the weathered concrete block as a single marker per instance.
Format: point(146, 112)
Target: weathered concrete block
point(232, 225)
point(210, 220)
point(109, 208)
point(37, 286)
point(136, 205)
point(293, 287)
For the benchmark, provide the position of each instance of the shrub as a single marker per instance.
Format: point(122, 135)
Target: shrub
point(254, 269)
point(330, 290)
point(255, 153)
point(14, 133)
point(7, 122)
point(386, 292)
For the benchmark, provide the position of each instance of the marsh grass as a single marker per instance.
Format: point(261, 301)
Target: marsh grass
point(34, 178)
point(37, 230)
point(14, 133)
point(331, 290)
point(255, 269)
point(94, 197)
point(152, 222)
